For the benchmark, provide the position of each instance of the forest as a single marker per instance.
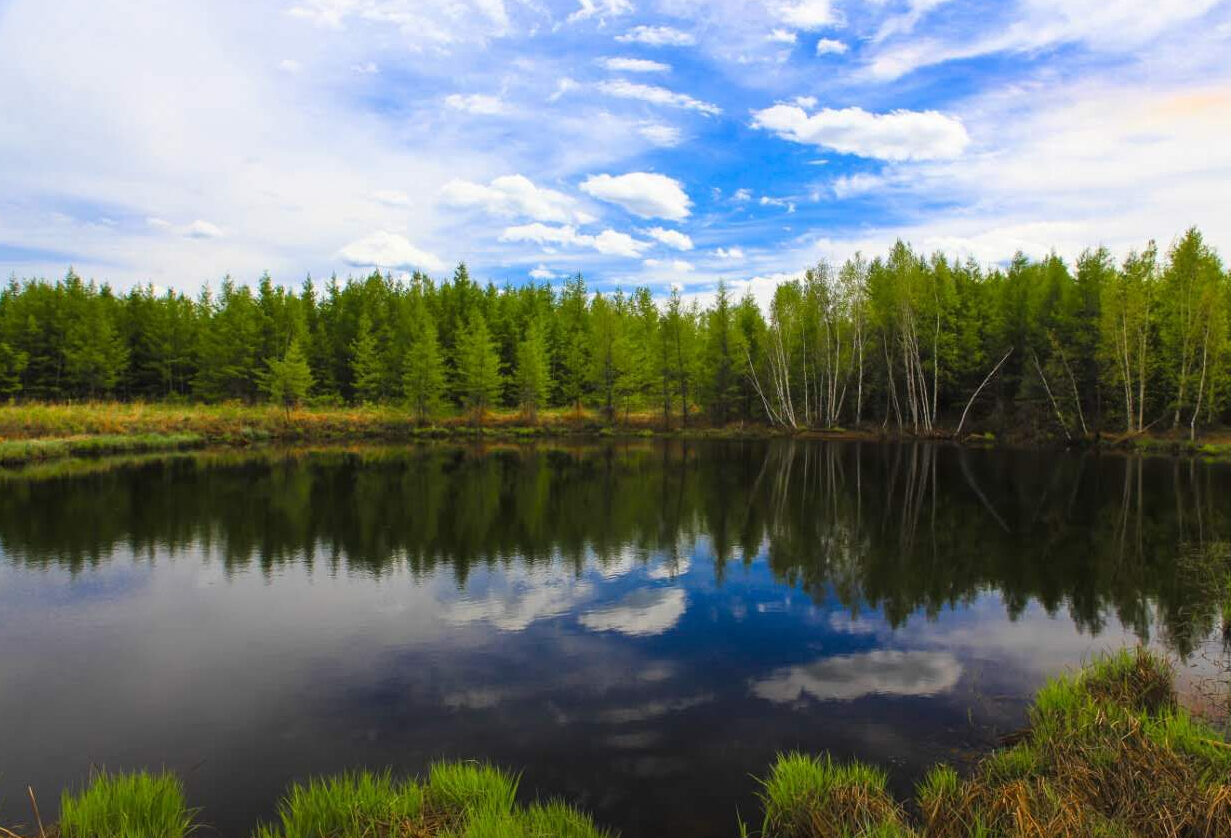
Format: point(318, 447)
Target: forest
point(907, 342)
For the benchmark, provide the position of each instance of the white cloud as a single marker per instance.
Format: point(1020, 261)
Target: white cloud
point(643, 613)
point(476, 103)
point(1109, 26)
point(290, 65)
point(158, 223)
point(201, 230)
point(784, 203)
point(730, 254)
point(367, 68)
point(608, 242)
point(656, 96)
point(542, 272)
point(859, 183)
point(511, 196)
point(442, 24)
point(391, 197)
point(678, 266)
point(898, 135)
point(665, 136)
point(383, 249)
point(643, 194)
point(828, 46)
point(782, 36)
point(601, 9)
point(806, 102)
point(563, 86)
point(808, 14)
point(657, 36)
point(742, 195)
point(634, 65)
point(849, 677)
point(671, 238)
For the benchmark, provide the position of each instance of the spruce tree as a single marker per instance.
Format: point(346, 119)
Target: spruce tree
point(533, 371)
point(479, 376)
point(423, 374)
point(288, 379)
point(12, 363)
point(367, 373)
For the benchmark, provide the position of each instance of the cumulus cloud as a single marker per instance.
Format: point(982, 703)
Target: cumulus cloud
point(476, 103)
point(665, 136)
point(656, 96)
point(643, 194)
point(808, 14)
point(158, 223)
point(511, 196)
point(729, 254)
point(828, 46)
point(657, 36)
point(201, 230)
point(849, 677)
point(634, 65)
point(782, 36)
point(897, 135)
point(608, 242)
point(383, 249)
point(671, 238)
point(643, 613)
point(601, 9)
point(543, 273)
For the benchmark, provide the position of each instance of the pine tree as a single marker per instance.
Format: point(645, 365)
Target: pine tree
point(367, 372)
point(610, 356)
point(533, 371)
point(288, 379)
point(479, 376)
point(423, 374)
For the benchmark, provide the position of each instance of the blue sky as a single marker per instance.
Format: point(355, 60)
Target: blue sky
point(650, 142)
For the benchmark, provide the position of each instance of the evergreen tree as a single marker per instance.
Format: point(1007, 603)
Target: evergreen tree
point(423, 374)
point(288, 379)
point(367, 371)
point(533, 371)
point(723, 358)
point(573, 355)
point(479, 374)
point(610, 372)
point(12, 363)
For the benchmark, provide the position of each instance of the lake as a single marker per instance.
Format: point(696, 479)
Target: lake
point(639, 627)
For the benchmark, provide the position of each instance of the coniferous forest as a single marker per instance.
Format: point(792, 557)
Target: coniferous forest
point(903, 341)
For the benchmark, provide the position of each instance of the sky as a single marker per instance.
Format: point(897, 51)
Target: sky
point(641, 142)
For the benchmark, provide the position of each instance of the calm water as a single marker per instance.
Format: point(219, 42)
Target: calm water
point(639, 627)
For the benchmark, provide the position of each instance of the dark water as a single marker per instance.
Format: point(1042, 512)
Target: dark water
point(640, 627)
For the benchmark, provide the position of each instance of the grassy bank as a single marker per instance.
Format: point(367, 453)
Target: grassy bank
point(1109, 754)
point(455, 800)
point(40, 431)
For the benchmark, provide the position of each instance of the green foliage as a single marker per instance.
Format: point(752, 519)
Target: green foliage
point(289, 378)
point(347, 806)
point(367, 371)
point(902, 340)
point(479, 374)
point(139, 805)
point(423, 374)
point(533, 371)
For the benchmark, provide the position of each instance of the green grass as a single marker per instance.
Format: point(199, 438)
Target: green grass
point(458, 800)
point(139, 805)
point(815, 797)
point(28, 451)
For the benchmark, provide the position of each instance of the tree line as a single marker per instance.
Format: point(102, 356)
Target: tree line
point(904, 341)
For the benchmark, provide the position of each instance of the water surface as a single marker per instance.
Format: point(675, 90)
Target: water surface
point(638, 626)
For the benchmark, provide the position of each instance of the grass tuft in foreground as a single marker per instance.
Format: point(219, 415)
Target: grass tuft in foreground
point(139, 805)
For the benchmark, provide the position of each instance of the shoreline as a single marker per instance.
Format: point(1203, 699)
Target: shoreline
point(38, 433)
